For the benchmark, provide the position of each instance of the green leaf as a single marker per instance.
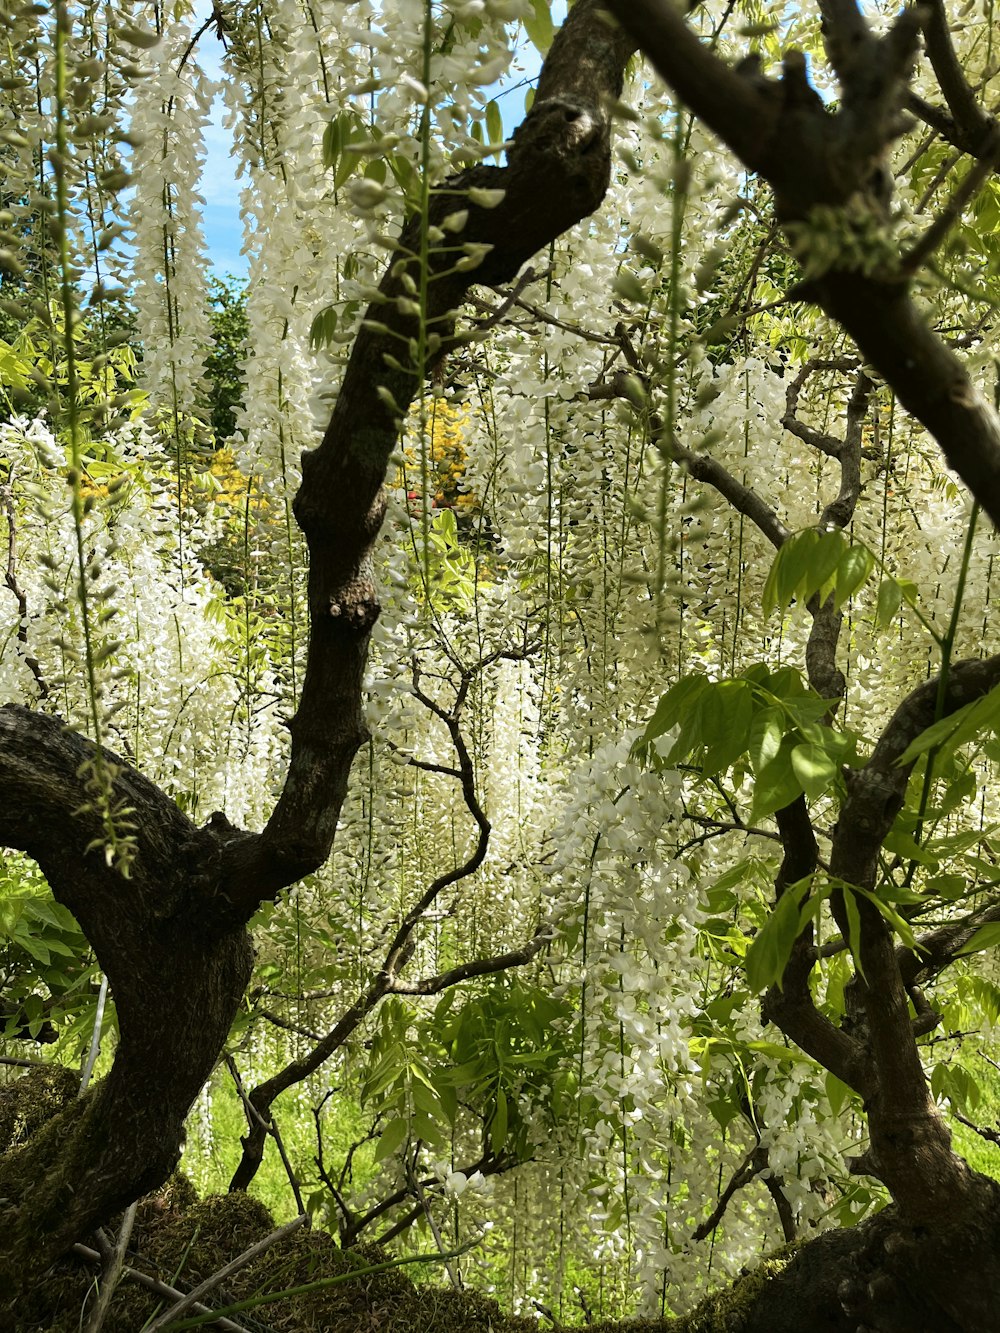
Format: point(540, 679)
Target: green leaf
point(675, 704)
point(789, 567)
point(392, 1138)
point(350, 132)
point(494, 122)
point(853, 927)
point(837, 1093)
point(814, 768)
point(821, 564)
point(498, 1125)
point(332, 142)
point(772, 945)
point(323, 327)
point(986, 937)
point(957, 1084)
point(853, 569)
point(777, 784)
point(774, 1050)
point(724, 1110)
point(539, 26)
point(890, 598)
point(899, 924)
point(948, 886)
point(727, 721)
point(951, 732)
point(766, 732)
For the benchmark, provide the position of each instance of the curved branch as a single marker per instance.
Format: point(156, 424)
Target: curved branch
point(558, 172)
point(813, 157)
point(971, 122)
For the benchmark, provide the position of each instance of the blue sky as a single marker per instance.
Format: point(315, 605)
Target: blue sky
point(219, 186)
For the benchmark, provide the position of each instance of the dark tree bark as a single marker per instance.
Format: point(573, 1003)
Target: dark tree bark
point(172, 938)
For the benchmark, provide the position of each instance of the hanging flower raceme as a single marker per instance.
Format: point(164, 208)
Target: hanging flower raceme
point(170, 111)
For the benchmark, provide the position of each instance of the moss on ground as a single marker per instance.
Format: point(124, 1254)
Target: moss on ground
point(183, 1240)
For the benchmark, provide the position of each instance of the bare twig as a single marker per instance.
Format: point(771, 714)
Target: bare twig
point(990, 1135)
point(753, 1164)
point(111, 1273)
point(288, 1026)
point(479, 967)
point(454, 1274)
point(269, 1126)
point(819, 440)
point(984, 166)
point(497, 314)
point(702, 466)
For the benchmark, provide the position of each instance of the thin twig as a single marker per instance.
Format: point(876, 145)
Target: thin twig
point(454, 1274)
point(289, 1026)
point(495, 315)
point(111, 1273)
point(270, 1126)
point(478, 967)
point(981, 170)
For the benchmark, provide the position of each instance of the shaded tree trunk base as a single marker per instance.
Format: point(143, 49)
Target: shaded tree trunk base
point(883, 1276)
point(880, 1277)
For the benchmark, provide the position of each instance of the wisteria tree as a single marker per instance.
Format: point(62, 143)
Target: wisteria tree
point(602, 553)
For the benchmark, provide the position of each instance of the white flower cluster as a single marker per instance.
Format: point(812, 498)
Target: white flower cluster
point(170, 110)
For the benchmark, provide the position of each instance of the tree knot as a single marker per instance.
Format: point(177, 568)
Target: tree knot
point(357, 604)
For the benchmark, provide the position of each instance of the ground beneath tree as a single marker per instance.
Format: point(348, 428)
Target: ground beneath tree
point(880, 1277)
point(182, 1240)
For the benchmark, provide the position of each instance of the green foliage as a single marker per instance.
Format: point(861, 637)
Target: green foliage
point(223, 364)
point(47, 971)
point(500, 1051)
point(816, 564)
point(34, 374)
point(765, 722)
point(772, 945)
point(538, 25)
point(452, 567)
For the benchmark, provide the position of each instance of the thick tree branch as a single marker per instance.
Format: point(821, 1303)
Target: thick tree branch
point(790, 1006)
point(910, 1145)
point(824, 675)
point(171, 939)
point(971, 121)
point(558, 172)
point(175, 975)
point(814, 157)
